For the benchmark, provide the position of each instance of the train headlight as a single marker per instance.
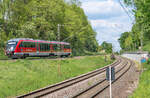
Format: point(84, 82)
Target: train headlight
point(11, 49)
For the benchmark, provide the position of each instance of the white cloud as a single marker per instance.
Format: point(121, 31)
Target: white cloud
point(120, 24)
point(102, 9)
point(108, 19)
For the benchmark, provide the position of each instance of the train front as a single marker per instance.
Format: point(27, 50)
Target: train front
point(10, 48)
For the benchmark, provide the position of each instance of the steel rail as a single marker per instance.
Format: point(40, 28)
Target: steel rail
point(114, 80)
point(64, 84)
point(100, 82)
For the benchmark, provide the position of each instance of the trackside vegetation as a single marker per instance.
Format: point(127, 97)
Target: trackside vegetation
point(2, 55)
point(39, 19)
point(139, 35)
point(147, 47)
point(22, 76)
point(143, 90)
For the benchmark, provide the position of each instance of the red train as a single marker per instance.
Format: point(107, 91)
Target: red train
point(25, 47)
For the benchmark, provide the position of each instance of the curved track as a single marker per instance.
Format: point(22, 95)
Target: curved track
point(102, 85)
point(121, 65)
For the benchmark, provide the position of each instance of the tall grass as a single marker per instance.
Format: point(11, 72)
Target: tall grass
point(147, 47)
point(143, 90)
point(22, 76)
point(2, 54)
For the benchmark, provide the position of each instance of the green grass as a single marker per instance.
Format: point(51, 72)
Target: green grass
point(143, 90)
point(147, 47)
point(21, 76)
point(2, 55)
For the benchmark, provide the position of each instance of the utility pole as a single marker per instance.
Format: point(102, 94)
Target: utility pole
point(58, 49)
point(59, 45)
point(58, 38)
point(141, 41)
point(58, 32)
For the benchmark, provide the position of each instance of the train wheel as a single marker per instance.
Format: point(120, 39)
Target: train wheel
point(66, 55)
point(23, 57)
point(14, 58)
point(61, 56)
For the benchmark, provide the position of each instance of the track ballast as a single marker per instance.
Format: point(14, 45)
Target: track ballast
point(87, 85)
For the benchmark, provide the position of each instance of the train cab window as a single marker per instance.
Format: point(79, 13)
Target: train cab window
point(11, 46)
point(21, 45)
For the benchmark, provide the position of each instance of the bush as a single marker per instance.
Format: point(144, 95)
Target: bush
point(148, 61)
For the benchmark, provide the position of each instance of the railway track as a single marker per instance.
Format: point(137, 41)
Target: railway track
point(45, 58)
point(102, 85)
point(73, 87)
point(34, 58)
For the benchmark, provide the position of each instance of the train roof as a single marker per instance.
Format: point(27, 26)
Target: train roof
point(18, 39)
point(29, 39)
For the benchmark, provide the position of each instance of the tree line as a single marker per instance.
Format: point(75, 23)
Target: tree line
point(107, 47)
point(140, 33)
point(39, 19)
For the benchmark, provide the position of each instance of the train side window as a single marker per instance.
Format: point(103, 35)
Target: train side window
point(67, 46)
point(25, 44)
point(44, 47)
point(55, 46)
point(48, 47)
point(62, 46)
point(41, 47)
point(32, 45)
point(28, 44)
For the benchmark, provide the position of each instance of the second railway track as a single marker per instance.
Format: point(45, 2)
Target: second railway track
point(73, 87)
point(99, 87)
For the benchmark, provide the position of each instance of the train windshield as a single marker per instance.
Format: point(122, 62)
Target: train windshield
point(11, 46)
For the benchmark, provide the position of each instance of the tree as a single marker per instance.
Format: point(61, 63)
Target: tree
point(141, 28)
point(122, 39)
point(107, 47)
point(38, 19)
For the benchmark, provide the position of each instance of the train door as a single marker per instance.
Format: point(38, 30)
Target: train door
point(62, 48)
point(37, 48)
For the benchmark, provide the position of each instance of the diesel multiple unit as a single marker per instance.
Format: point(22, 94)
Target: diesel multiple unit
point(24, 47)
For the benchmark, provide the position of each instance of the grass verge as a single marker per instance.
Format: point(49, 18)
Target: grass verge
point(147, 47)
point(2, 55)
point(22, 76)
point(143, 90)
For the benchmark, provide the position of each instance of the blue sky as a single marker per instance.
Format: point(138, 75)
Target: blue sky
point(108, 19)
